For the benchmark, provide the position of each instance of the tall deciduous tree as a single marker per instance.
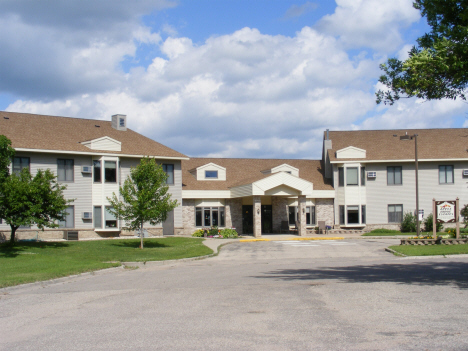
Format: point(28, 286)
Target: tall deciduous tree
point(145, 197)
point(6, 154)
point(437, 67)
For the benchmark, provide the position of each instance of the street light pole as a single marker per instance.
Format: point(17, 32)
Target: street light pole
point(415, 137)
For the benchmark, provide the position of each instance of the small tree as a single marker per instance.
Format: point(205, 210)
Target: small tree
point(25, 200)
point(145, 197)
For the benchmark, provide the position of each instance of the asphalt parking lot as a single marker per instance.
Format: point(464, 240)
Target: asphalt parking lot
point(276, 295)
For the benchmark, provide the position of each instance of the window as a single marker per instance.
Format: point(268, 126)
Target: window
point(363, 214)
point(169, 169)
point(445, 174)
point(340, 176)
point(111, 221)
point(352, 176)
point(394, 175)
point(310, 215)
point(395, 213)
point(211, 174)
point(65, 171)
point(69, 220)
point(294, 215)
point(19, 163)
point(122, 122)
point(97, 217)
point(97, 171)
point(342, 215)
point(209, 216)
point(110, 172)
point(363, 175)
point(353, 214)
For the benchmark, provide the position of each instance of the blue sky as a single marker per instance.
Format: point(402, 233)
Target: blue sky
point(258, 78)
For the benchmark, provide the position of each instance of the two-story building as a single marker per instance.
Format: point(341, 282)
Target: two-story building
point(365, 179)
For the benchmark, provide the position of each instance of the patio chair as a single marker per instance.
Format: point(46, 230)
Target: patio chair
point(284, 227)
point(322, 227)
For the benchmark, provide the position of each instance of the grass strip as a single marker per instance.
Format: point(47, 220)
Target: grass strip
point(28, 262)
point(431, 250)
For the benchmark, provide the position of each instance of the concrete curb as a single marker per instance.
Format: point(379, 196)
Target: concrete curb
point(291, 239)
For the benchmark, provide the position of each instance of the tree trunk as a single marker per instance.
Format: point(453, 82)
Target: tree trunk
point(141, 235)
point(12, 236)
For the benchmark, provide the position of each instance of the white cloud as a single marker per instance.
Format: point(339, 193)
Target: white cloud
point(370, 23)
point(245, 94)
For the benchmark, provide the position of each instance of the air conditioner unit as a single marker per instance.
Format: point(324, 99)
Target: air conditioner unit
point(371, 174)
point(465, 172)
point(86, 169)
point(87, 215)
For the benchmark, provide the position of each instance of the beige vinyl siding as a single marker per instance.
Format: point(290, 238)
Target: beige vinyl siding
point(380, 195)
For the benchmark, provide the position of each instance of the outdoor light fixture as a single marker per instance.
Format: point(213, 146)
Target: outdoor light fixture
point(303, 210)
point(415, 138)
point(258, 211)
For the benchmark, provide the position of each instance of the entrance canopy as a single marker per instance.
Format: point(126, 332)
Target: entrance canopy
point(278, 184)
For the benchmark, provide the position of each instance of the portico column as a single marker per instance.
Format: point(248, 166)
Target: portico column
point(257, 216)
point(301, 226)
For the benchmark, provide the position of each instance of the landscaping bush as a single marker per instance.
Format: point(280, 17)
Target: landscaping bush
point(228, 233)
point(199, 233)
point(464, 213)
point(428, 224)
point(213, 231)
point(408, 225)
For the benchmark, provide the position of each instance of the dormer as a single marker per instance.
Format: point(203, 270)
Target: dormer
point(351, 152)
point(283, 168)
point(104, 143)
point(210, 171)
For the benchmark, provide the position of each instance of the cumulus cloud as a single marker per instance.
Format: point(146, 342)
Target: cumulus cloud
point(243, 94)
point(55, 49)
point(374, 24)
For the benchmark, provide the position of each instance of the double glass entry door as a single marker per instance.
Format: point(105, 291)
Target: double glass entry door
point(247, 219)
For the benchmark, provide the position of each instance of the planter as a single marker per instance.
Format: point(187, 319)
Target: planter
point(438, 241)
point(419, 241)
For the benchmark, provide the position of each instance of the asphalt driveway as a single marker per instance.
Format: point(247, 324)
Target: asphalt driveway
point(341, 295)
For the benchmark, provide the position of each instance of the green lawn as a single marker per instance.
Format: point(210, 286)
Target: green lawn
point(30, 261)
point(429, 250)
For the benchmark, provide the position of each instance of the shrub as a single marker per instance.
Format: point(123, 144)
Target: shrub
point(428, 224)
point(228, 233)
point(213, 231)
point(408, 225)
point(199, 233)
point(383, 230)
point(464, 213)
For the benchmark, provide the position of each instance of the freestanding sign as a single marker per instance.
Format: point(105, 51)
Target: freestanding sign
point(445, 212)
